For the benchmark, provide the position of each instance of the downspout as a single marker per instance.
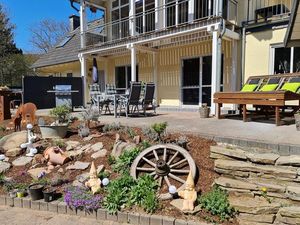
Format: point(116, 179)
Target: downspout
point(243, 53)
point(72, 5)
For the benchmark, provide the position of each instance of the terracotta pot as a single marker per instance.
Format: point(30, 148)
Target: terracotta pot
point(55, 156)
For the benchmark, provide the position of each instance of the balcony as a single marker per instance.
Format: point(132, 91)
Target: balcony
point(262, 11)
point(174, 17)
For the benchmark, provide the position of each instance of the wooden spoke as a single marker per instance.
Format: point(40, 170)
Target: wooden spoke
point(165, 154)
point(145, 169)
point(155, 155)
point(179, 171)
point(149, 162)
point(153, 173)
point(176, 178)
point(155, 177)
point(160, 181)
point(173, 157)
point(178, 163)
point(167, 181)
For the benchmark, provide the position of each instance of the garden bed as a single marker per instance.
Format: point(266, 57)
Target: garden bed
point(199, 149)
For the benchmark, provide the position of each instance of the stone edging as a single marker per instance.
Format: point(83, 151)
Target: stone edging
point(100, 214)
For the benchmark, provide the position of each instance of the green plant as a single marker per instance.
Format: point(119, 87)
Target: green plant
point(2, 128)
point(131, 133)
point(103, 174)
point(111, 127)
point(111, 160)
point(44, 181)
point(59, 142)
point(2, 179)
point(61, 113)
point(264, 193)
point(217, 203)
point(145, 144)
point(159, 128)
point(149, 133)
point(125, 160)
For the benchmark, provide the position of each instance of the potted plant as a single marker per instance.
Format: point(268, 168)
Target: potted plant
point(59, 128)
point(49, 194)
point(21, 190)
point(36, 191)
point(204, 111)
point(297, 120)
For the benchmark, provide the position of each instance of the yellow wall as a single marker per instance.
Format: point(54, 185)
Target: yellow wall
point(258, 47)
point(60, 70)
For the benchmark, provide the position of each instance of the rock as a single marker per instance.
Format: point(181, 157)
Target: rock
point(120, 147)
point(4, 166)
point(22, 161)
point(14, 152)
point(232, 173)
point(85, 147)
point(88, 138)
point(61, 170)
point(72, 145)
point(13, 140)
point(38, 159)
point(268, 218)
point(78, 166)
point(291, 160)
point(254, 205)
point(218, 156)
point(178, 203)
point(97, 147)
point(74, 154)
point(100, 168)
point(281, 220)
point(34, 173)
point(233, 183)
point(100, 154)
point(267, 158)
point(293, 192)
point(291, 211)
point(137, 139)
point(231, 152)
point(83, 177)
point(76, 183)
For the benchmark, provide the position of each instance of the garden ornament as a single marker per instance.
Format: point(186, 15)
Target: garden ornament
point(28, 111)
point(55, 156)
point(94, 183)
point(30, 149)
point(188, 194)
point(2, 157)
point(17, 122)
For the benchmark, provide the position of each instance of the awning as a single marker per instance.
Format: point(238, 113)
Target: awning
point(292, 37)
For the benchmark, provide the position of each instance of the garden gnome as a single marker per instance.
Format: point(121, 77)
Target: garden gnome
point(94, 183)
point(189, 194)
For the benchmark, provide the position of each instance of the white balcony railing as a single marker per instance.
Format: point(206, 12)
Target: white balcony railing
point(173, 14)
point(264, 10)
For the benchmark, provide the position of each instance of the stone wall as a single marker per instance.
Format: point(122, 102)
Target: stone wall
point(264, 187)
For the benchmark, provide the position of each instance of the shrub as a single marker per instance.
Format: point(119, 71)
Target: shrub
point(81, 198)
point(145, 144)
point(131, 133)
point(59, 142)
point(111, 160)
point(149, 133)
point(111, 127)
point(159, 128)
point(125, 160)
point(61, 113)
point(216, 202)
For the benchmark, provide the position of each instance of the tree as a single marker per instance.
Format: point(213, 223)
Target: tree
point(47, 33)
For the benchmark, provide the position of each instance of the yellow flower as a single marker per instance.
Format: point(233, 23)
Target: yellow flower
point(264, 189)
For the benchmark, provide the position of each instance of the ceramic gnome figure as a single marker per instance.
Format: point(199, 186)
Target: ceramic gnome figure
point(189, 194)
point(30, 149)
point(94, 183)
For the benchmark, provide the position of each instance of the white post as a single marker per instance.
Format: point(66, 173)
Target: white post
point(191, 7)
point(216, 67)
point(234, 65)
point(83, 66)
point(133, 63)
point(83, 24)
point(154, 57)
point(132, 25)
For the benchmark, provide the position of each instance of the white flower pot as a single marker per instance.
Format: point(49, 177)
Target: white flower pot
point(54, 131)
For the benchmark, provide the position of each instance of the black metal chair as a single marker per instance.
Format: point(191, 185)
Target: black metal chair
point(133, 99)
point(148, 98)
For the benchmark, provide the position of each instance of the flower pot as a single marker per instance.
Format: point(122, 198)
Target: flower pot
point(297, 121)
point(204, 112)
point(54, 131)
point(56, 156)
point(49, 194)
point(20, 194)
point(36, 191)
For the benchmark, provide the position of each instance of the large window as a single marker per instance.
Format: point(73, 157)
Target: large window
point(285, 60)
point(123, 77)
point(145, 16)
point(119, 17)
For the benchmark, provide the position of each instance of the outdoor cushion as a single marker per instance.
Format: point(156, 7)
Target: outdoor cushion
point(254, 81)
point(249, 87)
point(274, 80)
point(269, 87)
point(293, 87)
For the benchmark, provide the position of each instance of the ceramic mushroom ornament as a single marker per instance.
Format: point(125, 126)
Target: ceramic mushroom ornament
point(188, 194)
point(94, 183)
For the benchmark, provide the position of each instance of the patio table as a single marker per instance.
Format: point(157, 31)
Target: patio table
point(113, 97)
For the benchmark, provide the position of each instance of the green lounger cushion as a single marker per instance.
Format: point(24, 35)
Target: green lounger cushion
point(269, 87)
point(293, 87)
point(249, 87)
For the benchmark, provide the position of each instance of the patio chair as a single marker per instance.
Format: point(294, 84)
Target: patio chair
point(148, 97)
point(133, 99)
point(97, 98)
point(110, 89)
point(273, 84)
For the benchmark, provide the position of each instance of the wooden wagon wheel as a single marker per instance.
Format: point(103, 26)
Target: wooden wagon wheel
point(169, 165)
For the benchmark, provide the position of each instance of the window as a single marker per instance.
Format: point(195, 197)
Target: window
point(179, 7)
point(119, 15)
point(123, 77)
point(285, 60)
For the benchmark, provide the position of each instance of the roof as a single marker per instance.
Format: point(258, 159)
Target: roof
point(66, 51)
point(292, 37)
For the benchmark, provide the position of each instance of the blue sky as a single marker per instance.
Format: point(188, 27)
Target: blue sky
point(25, 13)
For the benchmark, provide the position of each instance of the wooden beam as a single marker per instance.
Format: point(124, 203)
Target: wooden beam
point(145, 49)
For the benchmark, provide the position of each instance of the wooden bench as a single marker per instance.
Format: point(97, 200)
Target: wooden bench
point(276, 99)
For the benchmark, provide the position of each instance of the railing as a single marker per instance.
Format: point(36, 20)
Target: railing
point(171, 15)
point(264, 10)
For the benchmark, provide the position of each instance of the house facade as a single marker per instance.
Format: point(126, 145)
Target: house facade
point(189, 48)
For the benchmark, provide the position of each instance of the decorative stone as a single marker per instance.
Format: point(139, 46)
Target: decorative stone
point(83, 177)
point(177, 203)
point(293, 192)
point(85, 147)
point(119, 147)
point(292, 211)
point(233, 183)
point(232, 173)
point(99, 154)
point(292, 160)
point(34, 173)
point(72, 145)
point(231, 152)
point(137, 139)
point(38, 159)
point(97, 147)
point(22, 161)
point(61, 170)
point(100, 169)
point(88, 138)
point(262, 218)
point(13, 152)
point(13, 140)
point(267, 158)
point(4, 166)
point(74, 154)
point(78, 166)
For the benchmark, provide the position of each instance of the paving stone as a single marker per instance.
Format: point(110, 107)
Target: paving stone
point(34, 173)
point(91, 214)
point(134, 218)
point(267, 158)
point(123, 217)
point(294, 150)
point(291, 160)
point(27, 203)
point(293, 192)
point(99, 154)
point(233, 183)
point(168, 220)
point(144, 219)
point(78, 166)
point(35, 205)
point(80, 212)
point(18, 202)
point(112, 217)
point(155, 220)
point(231, 152)
point(262, 218)
point(4, 166)
point(13, 140)
point(284, 150)
point(22, 161)
point(43, 205)
point(71, 210)
point(101, 214)
point(97, 147)
point(2, 200)
point(9, 201)
point(62, 208)
point(180, 222)
point(53, 206)
point(272, 146)
point(13, 152)
point(291, 211)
